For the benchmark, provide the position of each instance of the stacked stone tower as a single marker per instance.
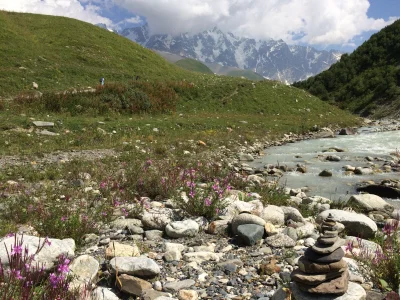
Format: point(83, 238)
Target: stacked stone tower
point(322, 269)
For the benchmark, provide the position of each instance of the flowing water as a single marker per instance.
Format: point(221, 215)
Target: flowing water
point(311, 153)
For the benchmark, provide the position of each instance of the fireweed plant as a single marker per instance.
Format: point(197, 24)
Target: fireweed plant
point(24, 278)
point(384, 262)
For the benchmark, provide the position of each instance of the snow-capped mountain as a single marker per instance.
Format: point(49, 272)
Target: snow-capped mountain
point(269, 58)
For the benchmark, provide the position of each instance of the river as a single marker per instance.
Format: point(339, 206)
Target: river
point(367, 143)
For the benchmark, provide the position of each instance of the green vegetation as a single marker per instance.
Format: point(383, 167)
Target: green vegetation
point(246, 74)
point(366, 81)
point(193, 65)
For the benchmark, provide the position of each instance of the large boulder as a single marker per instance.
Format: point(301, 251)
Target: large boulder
point(47, 256)
point(355, 224)
point(369, 202)
point(273, 214)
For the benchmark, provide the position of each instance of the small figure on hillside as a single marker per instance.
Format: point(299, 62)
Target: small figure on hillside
point(102, 80)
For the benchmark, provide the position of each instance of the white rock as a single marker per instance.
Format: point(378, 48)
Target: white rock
point(369, 202)
point(245, 219)
point(199, 257)
point(84, 269)
point(136, 266)
point(101, 293)
point(180, 229)
point(273, 214)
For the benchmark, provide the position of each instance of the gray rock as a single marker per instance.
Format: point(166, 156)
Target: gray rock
point(101, 293)
point(325, 173)
point(306, 230)
point(153, 295)
point(333, 158)
point(335, 256)
point(48, 255)
point(273, 214)
point(245, 219)
point(280, 240)
point(43, 124)
point(292, 213)
point(176, 286)
point(354, 292)
point(84, 269)
point(363, 171)
point(199, 257)
point(172, 255)
point(157, 218)
point(369, 202)
point(47, 133)
point(174, 247)
point(133, 225)
point(250, 234)
point(180, 229)
point(355, 224)
point(245, 157)
point(137, 266)
point(153, 235)
point(326, 249)
point(291, 232)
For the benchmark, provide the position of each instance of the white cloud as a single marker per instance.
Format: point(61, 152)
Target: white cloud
point(66, 8)
point(318, 22)
point(133, 20)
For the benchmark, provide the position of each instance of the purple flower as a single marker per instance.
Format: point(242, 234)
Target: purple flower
point(63, 267)
point(10, 234)
point(63, 218)
point(104, 213)
point(17, 274)
point(46, 241)
point(207, 201)
point(53, 278)
point(349, 247)
point(16, 250)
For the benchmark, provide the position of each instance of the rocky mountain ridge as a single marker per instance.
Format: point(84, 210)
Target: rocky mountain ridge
point(273, 59)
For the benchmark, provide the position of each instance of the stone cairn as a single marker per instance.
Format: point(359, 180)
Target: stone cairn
point(322, 269)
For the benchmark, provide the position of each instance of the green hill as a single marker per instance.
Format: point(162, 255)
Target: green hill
point(368, 80)
point(193, 65)
point(59, 53)
point(246, 74)
point(63, 54)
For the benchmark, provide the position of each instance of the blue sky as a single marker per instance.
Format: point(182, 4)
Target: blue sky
point(324, 24)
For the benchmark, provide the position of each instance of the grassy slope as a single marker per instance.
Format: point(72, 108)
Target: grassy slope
point(368, 80)
point(60, 53)
point(193, 65)
point(246, 74)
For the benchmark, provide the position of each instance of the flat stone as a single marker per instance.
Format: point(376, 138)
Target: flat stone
point(329, 233)
point(199, 257)
point(354, 292)
point(116, 249)
point(188, 295)
point(369, 202)
point(280, 240)
point(314, 268)
point(250, 234)
point(43, 124)
point(328, 240)
point(313, 279)
point(337, 286)
point(84, 269)
point(132, 285)
point(181, 229)
point(326, 249)
point(153, 294)
point(102, 293)
point(137, 266)
point(178, 285)
point(335, 256)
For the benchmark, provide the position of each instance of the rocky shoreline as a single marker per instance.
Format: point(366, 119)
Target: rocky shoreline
point(250, 252)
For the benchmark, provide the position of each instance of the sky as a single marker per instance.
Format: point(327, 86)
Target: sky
point(324, 24)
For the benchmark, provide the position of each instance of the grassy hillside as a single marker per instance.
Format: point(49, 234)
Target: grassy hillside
point(366, 81)
point(193, 65)
point(59, 53)
point(246, 74)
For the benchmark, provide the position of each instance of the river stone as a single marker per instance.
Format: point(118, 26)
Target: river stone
point(84, 269)
point(327, 240)
point(181, 229)
point(250, 234)
point(354, 292)
point(337, 286)
point(102, 293)
point(245, 219)
point(133, 225)
point(291, 232)
point(133, 285)
point(199, 257)
point(237, 206)
point(333, 158)
point(218, 227)
point(363, 171)
point(305, 231)
point(116, 249)
point(325, 249)
point(292, 213)
point(172, 255)
point(178, 285)
point(335, 256)
point(310, 267)
point(47, 256)
point(355, 224)
point(137, 266)
point(280, 240)
point(313, 279)
point(153, 235)
point(369, 202)
point(157, 219)
point(155, 295)
point(273, 214)
point(245, 157)
point(174, 247)
point(325, 173)
point(188, 295)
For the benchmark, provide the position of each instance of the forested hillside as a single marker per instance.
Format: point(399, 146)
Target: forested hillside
point(366, 81)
